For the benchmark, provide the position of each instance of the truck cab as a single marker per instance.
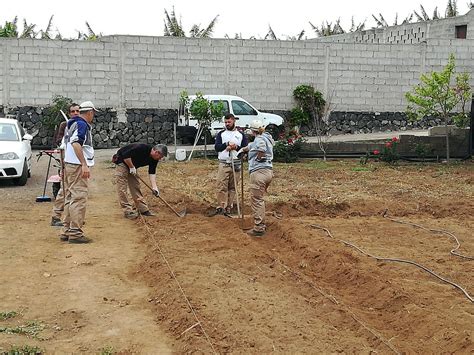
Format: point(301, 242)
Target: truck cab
point(239, 107)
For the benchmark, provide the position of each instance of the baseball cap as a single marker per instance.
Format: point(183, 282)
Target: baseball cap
point(87, 106)
point(255, 125)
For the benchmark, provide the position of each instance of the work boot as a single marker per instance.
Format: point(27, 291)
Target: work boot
point(130, 215)
point(81, 240)
point(229, 211)
point(56, 222)
point(219, 211)
point(63, 238)
point(147, 213)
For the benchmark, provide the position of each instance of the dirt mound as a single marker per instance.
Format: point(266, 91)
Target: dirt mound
point(308, 206)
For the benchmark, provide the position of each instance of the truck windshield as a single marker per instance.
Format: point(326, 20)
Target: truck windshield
point(242, 108)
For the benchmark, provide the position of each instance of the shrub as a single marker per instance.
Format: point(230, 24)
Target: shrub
point(389, 152)
point(286, 150)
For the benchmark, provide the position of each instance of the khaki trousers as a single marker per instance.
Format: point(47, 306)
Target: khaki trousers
point(75, 199)
point(259, 182)
point(58, 204)
point(226, 186)
point(124, 180)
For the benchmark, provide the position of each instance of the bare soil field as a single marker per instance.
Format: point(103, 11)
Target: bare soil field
point(200, 284)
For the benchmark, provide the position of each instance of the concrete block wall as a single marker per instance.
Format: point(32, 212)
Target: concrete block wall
point(410, 33)
point(149, 72)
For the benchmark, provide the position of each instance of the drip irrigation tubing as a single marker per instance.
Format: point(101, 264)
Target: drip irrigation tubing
point(198, 322)
point(439, 231)
point(396, 260)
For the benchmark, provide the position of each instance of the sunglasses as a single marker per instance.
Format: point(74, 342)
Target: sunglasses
point(72, 111)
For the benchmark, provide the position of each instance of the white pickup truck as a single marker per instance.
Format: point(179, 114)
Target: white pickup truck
point(187, 126)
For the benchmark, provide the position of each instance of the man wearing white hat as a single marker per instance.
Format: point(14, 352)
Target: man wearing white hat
point(78, 159)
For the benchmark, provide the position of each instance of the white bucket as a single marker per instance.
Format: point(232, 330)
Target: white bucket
point(180, 154)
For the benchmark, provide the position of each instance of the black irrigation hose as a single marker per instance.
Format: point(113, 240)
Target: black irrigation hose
point(328, 232)
point(439, 231)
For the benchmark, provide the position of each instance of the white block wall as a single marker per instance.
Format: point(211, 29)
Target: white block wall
point(150, 72)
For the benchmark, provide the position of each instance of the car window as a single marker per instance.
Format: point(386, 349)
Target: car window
point(8, 132)
point(225, 103)
point(242, 108)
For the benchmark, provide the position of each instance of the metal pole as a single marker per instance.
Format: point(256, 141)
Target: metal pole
point(174, 132)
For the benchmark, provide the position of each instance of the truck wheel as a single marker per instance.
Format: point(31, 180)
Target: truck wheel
point(274, 130)
point(21, 181)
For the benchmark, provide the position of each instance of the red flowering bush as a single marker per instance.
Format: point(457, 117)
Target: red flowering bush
point(287, 148)
point(388, 154)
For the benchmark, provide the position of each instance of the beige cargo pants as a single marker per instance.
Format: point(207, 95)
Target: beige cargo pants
point(75, 199)
point(124, 180)
point(226, 186)
point(58, 205)
point(259, 182)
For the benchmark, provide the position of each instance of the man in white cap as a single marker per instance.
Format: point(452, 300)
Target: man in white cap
point(78, 159)
point(228, 142)
point(260, 156)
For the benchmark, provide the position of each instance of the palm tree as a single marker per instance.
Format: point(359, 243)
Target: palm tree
point(28, 30)
point(328, 29)
point(356, 28)
point(197, 32)
point(452, 8)
point(271, 34)
point(174, 28)
point(46, 33)
point(90, 35)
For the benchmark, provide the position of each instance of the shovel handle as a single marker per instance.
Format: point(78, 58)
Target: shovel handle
point(161, 198)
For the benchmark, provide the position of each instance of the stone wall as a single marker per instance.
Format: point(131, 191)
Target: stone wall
point(142, 125)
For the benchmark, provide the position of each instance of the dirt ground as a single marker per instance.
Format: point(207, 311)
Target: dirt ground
point(200, 284)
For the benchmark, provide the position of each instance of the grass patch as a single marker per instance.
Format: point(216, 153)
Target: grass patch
point(108, 350)
point(8, 315)
point(23, 350)
point(31, 329)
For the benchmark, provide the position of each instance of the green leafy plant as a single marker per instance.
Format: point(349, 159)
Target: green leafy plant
point(30, 329)
point(286, 150)
point(422, 150)
point(299, 117)
point(438, 95)
point(389, 152)
point(52, 114)
point(107, 350)
point(23, 350)
point(7, 315)
point(204, 111)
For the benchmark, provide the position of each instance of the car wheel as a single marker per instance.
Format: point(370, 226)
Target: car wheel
point(21, 181)
point(274, 130)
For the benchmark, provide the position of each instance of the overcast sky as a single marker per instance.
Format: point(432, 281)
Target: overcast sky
point(245, 17)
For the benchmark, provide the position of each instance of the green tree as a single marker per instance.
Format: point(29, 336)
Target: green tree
point(52, 115)
point(311, 108)
point(439, 94)
point(205, 112)
point(174, 28)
